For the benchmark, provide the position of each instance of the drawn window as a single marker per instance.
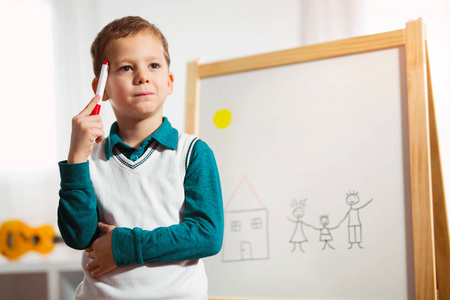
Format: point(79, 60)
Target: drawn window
point(257, 223)
point(235, 225)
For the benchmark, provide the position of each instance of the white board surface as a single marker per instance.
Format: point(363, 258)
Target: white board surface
point(301, 139)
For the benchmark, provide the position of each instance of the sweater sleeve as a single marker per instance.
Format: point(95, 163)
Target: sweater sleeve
point(77, 209)
point(200, 234)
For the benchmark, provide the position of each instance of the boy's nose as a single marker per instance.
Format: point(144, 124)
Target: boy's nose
point(141, 78)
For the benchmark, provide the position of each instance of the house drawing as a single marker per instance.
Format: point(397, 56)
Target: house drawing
point(246, 232)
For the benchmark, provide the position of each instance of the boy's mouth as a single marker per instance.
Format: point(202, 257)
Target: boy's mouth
point(143, 94)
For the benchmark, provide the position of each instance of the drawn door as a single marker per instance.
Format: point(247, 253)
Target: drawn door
point(246, 250)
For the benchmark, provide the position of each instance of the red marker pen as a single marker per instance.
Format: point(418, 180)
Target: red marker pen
point(101, 87)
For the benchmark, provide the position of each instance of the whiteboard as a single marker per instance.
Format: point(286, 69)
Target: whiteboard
point(314, 165)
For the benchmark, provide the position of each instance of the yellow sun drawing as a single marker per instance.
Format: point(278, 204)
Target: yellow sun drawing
point(223, 119)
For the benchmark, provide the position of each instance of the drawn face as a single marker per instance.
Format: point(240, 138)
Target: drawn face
point(324, 220)
point(298, 212)
point(352, 199)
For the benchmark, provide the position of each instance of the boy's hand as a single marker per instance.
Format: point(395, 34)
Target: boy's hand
point(100, 252)
point(86, 130)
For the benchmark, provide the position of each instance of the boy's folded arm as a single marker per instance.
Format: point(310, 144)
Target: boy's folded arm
point(200, 234)
point(77, 209)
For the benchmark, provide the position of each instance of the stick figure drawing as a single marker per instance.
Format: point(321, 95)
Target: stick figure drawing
point(354, 222)
point(298, 237)
point(325, 232)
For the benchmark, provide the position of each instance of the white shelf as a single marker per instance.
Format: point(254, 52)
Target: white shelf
point(24, 278)
point(19, 268)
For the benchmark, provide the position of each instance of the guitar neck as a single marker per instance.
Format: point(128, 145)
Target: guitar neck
point(58, 239)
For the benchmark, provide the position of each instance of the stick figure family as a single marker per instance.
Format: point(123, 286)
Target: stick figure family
point(354, 223)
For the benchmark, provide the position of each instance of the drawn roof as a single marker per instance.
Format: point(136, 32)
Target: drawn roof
point(244, 197)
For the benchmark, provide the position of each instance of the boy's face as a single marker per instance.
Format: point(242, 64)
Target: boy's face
point(139, 79)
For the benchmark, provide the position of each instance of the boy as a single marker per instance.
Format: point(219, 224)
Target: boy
point(146, 205)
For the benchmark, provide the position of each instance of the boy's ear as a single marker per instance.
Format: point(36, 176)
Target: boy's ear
point(170, 82)
point(94, 88)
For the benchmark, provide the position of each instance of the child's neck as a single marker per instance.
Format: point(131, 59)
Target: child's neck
point(134, 133)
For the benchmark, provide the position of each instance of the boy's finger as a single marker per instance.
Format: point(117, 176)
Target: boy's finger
point(102, 226)
point(102, 270)
point(98, 135)
point(99, 139)
point(98, 272)
point(105, 227)
point(93, 264)
point(91, 105)
point(93, 123)
point(90, 254)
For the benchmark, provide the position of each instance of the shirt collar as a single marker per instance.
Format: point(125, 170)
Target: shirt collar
point(166, 135)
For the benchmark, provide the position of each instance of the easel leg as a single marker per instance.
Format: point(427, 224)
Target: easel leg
point(441, 233)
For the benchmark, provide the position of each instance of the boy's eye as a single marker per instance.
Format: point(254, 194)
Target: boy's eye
point(125, 68)
point(154, 66)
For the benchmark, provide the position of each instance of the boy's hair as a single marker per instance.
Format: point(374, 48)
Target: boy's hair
point(124, 27)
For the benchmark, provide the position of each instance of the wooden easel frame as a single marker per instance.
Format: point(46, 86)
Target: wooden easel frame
point(429, 218)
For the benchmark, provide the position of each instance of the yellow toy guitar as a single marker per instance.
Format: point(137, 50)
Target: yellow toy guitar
point(17, 238)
